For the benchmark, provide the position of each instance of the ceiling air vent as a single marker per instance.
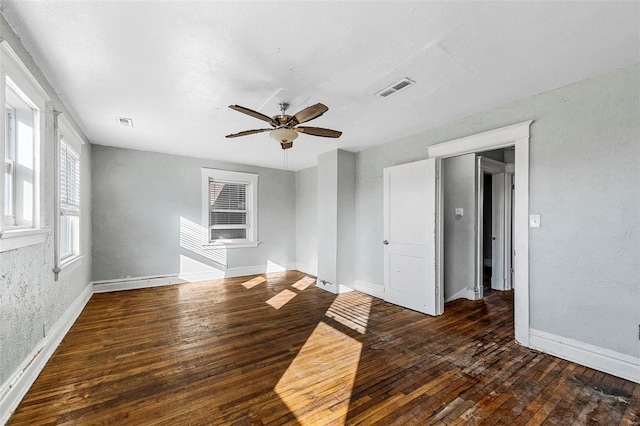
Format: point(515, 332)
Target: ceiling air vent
point(126, 122)
point(395, 87)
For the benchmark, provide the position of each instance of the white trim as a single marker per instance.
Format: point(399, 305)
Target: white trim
point(15, 239)
point(465, 293)
point(326, 285)
point(251, 180)
point(242, 271)
point(345, 288)
point(18, 72)
point(16, 387)
point(231, 245)
point(333, 288)
point(134, 283)
point(307, 269)
point(71, 264)
point(372, 289)
point(515, 135)
point(608, 361)
point(71, 136)
point(492, 139)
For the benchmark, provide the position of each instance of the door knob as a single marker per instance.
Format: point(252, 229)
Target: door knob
point(385, 242)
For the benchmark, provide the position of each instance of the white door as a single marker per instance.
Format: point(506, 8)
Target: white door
point(411, 253)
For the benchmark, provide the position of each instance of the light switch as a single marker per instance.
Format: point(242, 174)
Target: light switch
point(534, 221)
point(459, 211)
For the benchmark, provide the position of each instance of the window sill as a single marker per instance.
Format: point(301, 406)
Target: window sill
point(19, 238)
point(70, 264)
point(243, 244)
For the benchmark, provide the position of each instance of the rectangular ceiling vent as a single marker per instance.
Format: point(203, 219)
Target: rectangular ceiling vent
point(395, 87)
point(127, 122)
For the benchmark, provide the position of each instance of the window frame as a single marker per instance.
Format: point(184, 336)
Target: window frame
point(226, 176)
point(15, 74)
point(68, 136)
point(10, 139)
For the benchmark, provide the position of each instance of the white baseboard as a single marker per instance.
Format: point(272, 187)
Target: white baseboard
point(307, 269)
point(608, 361)
point(327, 286)
point(258, 269)
point(133, 283)
point(375, 290)
point(16, 387)
point(465, 293)
point(345, 288)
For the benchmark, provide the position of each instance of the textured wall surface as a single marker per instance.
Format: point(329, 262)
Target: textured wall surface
point(346, 218)
point(328, 216)
point(459, 179)
point(147, 215)
point(29, 296)
point(307, 219)
point(585, 183)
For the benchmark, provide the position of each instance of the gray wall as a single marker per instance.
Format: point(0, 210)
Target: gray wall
point(307, 220)
point(585, 183)
point(336, 218)
point(29, 296)
point(148, 206)
point(328, 216)
point(346, 217)
point(459, 191)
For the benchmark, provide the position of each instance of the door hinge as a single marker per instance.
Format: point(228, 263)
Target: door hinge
point(513, 187)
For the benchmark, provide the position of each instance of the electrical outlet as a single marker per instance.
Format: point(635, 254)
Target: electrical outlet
point(45, 328)
point(534, 221)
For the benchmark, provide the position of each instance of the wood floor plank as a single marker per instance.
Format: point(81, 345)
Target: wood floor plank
point(216, 353)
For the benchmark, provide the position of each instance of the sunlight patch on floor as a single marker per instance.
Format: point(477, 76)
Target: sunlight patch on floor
point(303, 283)
point(317, 385)
point(281, 299)
point(253, 282)
point(351, 310)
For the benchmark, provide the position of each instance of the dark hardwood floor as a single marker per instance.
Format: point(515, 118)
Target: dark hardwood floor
point(277, 350)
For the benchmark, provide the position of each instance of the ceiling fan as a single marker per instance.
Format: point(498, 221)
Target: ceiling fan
point(285, 127)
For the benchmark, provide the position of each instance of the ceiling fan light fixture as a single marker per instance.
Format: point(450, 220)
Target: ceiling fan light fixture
point(283, 135)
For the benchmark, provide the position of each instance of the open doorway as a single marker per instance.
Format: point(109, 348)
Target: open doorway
point(477, 223)
point(431, 268)
point(495, 172)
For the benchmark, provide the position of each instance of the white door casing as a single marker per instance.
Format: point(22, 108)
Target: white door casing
point(516, 135)
point(411, 250)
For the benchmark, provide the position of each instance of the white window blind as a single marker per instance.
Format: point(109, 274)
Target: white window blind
point(228, 215)
point(69, 180)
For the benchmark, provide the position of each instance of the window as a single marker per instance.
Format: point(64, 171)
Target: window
point(230, 208)
point(69, 241)
point(22, 123)
point(19, 164)
point(9, 166)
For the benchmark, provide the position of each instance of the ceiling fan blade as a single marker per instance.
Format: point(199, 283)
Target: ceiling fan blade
point(318, 131)
point(247, 132)
point(253, 113)
point(309, 113)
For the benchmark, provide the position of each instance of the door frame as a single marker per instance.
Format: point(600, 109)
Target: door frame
point(516, 135)
point(495, 168)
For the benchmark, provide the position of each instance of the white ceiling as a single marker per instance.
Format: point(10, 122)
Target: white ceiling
point(175, 66)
